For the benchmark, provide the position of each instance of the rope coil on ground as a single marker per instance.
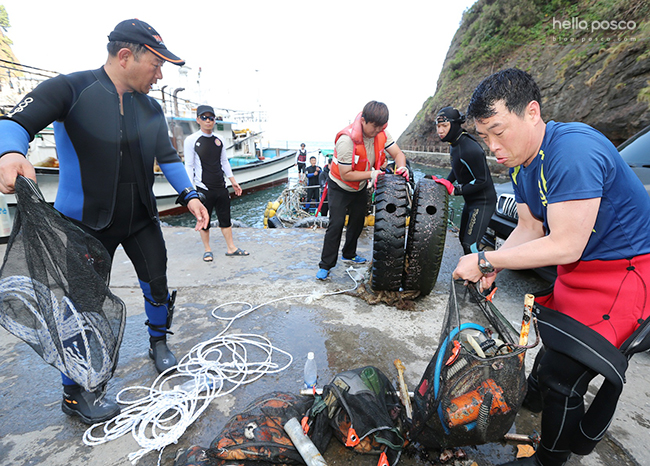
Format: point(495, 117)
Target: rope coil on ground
point(158, 415)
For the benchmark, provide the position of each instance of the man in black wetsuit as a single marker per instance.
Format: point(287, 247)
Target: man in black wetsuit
point(322, 181)
point(206, 162)
point(470, 171)
point(108, 133)
point(312, 172)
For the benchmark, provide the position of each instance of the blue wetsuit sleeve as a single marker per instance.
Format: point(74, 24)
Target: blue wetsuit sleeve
point(13, 138)
point(176, 175)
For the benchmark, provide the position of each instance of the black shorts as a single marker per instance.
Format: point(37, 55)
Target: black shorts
point(219, 200)
point(301, 167)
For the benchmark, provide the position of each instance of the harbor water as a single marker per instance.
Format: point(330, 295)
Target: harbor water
point(249, 208)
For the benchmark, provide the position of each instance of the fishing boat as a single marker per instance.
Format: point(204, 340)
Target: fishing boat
point(254, 167)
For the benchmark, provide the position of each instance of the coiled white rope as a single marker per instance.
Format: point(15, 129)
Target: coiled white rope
point(158, 415)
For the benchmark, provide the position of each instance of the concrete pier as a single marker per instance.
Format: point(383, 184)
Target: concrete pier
point(343, 331)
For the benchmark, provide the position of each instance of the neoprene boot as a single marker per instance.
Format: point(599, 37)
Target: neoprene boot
point(91, 407)
point(162, 356)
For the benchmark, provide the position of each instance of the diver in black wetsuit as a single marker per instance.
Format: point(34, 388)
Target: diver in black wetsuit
point(471, 177)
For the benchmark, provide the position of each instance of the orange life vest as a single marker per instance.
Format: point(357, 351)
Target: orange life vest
point(359, 157)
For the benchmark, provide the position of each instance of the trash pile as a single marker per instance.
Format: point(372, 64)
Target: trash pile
point(469, 394)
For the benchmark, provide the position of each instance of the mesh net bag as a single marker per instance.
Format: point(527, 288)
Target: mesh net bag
point(54, 292)
point(256, 436)
point(364, 413)
point(474, 385)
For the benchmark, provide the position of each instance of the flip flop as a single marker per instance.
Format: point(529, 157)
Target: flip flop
point(238, 252)
point(207, 257)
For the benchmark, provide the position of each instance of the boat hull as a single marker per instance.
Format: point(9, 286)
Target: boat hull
point(252, 176)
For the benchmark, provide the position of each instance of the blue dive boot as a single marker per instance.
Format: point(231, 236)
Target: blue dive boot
point(354, 260)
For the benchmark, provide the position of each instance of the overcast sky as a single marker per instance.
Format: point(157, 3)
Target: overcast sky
point(311, 65)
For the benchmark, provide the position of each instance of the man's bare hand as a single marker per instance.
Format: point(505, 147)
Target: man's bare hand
point(12, 165)
point(199, 211)
point(236, 188)
point(467, 269)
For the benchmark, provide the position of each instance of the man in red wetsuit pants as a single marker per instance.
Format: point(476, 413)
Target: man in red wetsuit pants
point(581, 208)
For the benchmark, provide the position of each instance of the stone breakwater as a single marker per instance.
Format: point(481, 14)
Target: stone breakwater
point(442, 160)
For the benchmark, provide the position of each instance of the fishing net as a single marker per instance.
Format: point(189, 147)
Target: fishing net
point(290, 209)
point(54, 292)
point(472, 388)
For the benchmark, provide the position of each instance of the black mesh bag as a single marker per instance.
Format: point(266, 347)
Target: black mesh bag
point(54, 292)
point(254, 437)
point(364, 413)
point(474, 385)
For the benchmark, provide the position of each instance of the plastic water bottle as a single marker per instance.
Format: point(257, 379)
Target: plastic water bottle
point(5, 218)
point(311, 374)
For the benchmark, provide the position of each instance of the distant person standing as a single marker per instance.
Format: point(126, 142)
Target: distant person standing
point(358, 156)
point(206, 162)
point(312, 172)
point(301, 160)
point(322, 181)
point(471, 175)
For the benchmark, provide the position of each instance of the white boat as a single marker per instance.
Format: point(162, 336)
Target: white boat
point(254, 167)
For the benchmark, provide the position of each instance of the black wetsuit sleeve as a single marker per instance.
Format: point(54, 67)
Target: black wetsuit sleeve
point(478, 174)
point(49, 101)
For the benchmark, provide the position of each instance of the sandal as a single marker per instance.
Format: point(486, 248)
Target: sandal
point(238, 252)
point(207, 256)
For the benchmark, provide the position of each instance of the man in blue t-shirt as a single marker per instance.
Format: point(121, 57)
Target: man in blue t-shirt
point(581, 208)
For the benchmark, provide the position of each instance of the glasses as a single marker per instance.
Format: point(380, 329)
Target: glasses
point(206, 118)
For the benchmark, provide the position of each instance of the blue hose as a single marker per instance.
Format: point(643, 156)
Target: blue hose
point(441, 354)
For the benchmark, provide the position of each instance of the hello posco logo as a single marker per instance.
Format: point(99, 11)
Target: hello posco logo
point(576, 23)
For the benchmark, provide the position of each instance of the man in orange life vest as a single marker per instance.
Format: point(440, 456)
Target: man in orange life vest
point(359, 155)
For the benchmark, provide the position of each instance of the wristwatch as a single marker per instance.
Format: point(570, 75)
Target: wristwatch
point(484, 265)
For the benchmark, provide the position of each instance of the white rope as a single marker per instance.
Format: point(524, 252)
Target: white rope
point(158, 415)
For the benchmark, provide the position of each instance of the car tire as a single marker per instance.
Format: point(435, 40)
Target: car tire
point(425, 243)
point(391, 203)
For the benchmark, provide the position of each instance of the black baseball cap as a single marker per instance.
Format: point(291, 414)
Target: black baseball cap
point(135, 31)
point(204, 109)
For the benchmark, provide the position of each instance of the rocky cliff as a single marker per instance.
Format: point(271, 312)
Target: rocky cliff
point(591, 60)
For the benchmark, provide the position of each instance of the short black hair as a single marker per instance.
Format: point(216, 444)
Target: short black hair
point(115, 46)
point(312, 157)
point(514, 87)
point(376, 113)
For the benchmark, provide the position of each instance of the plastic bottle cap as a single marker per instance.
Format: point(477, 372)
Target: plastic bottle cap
point(310, 355)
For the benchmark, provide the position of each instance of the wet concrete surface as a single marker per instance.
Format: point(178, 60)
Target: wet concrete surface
point(343, 331)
